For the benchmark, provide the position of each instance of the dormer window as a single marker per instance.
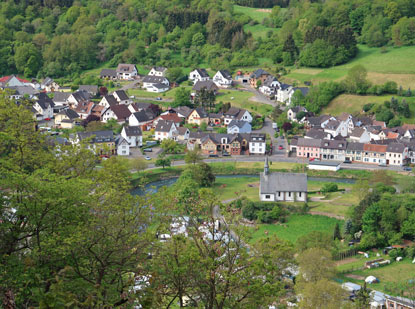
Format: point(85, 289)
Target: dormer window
point(326, 144)
point(340, 145)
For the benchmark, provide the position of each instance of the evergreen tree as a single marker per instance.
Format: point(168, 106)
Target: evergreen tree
point(336, 234)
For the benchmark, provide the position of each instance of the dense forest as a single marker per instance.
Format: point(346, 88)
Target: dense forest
point(63, 38)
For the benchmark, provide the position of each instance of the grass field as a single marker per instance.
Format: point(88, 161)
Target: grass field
point(258, 15)
point(297, 226)
point(395, 65)
point(232, 188)
point(353, 104)
point(241, 99)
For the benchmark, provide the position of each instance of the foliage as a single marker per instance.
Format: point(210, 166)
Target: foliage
point(163, 161)
point(356, 80)
point(182, 97)
point(263, 212)
point(193, 156)
point(329, 187)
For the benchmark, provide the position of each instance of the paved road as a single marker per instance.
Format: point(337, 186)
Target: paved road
point(258, 96)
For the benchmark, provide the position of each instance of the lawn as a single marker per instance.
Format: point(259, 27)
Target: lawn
point(232, 188)
point(390, 276)
point(394, 65)
point(240, 98)
point(297, 226)
point(256, 14)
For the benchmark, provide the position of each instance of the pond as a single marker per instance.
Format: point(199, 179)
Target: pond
point(154, 186)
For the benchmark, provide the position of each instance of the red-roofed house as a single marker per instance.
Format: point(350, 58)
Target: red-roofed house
point(168, 117)
point(373, 153)
point(12, 80)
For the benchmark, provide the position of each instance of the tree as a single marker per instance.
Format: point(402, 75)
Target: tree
point(138, 164)
point(168, 145)
point(336, 233)
point(315, 264)
point(287, 126)
point(163, 161)
point(175, 74)
point(362, 299)
point(182, 97)
point(193, 156)
point(103, 91)
point(28, 59)
point(322, 294)
point(356, 80)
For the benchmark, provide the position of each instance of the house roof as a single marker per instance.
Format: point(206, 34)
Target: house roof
point(44, 101)
point(120, 140)
point(133, 131)
point(160, 86)
point(121, 111)
point(70, 113)
point(258, 73)
point(182, 130)
point(207, 84)
point(316, 134)
point(183, 110)
point(332, 125)
point(202, 72)
point(333, 144)
point(140, 105)
point(396, 148)
point(343, 116)
point(239, 123)
point(159, 69)
point(355, 146)
point(379, 123)
point(197, 134)
point(6, 79)
point(309, 142)
point(126, 68)
point(202, 113)
point(233, 111)
point(84, 107)
point(81, 95)
point(154, 79)
point(108, 72)
point(24, 90)
point(375, 148)
point(318, 120)
point(164, 126)
point(89, 88)
point(225, 74)
point(304, 90)
point(171, 117)
point(269, 80)
point(284, 86)
point(297, 109)
point(60, 96)
point(215, 115)
point(111, 100)
point(142, 116)
point(283, 182)
point(97, 136)
point(47, 81)
point(121, 94)
point(98, 109)
point(357, 132)
point(365, 121)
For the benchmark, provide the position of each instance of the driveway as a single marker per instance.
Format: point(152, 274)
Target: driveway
point(258, 96)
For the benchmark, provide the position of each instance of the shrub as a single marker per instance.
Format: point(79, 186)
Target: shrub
point(329, 187)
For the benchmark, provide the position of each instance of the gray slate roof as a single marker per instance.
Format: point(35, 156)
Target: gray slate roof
point(208, 84)
point(164, 126)
point(60, 96)
point(395, 148)
point(154, 79)
point(122, 95)
point(238, 123)
point(133, 131)
point(283, 182)
point(202, 72)
point(258, 73)
point(89, 88)
point(108, 72)
point(99, 136)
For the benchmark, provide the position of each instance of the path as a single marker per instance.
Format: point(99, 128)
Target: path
point(326, 214)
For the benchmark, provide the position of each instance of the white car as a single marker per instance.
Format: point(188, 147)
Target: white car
point(147, 158)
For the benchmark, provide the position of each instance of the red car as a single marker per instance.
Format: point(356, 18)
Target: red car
point(47, 119)
point(280, 147)
point(311, 159)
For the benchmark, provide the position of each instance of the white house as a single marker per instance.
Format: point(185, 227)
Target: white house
point(118, 112)
point(78, 97)
point(270, 86)
point(43, 109)
point(126, 71)
point(238, 114)
point(223, 79)
point(360, 135)
point(123, 147)
point(199, 75)
point(335, 128)
point(293, 111)
point(49, 85)
point(257, 143)
point(133, 135)
point(121, 97)
point(108, 100)
point(156, 83)
point(142, 119)
point(165, 130)
point(158, 71)
point(396, 154)
point(288, 187)
point(239, 126)
point(285, 93)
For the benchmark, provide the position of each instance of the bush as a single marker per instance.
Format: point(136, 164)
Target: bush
point(329, 187)
point(367, 107)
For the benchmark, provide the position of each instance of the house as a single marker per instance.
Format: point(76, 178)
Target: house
point(382, 124)
point(44, 106)
point(396, 154)
point(155, 83)
point(143, 119)
point(101, 142)
point(133, 135)
point(293, 111)
point(12, 81)
point(258, 77)
point(257, 143)
point(208, 85)
point(373, 153)
point(198, 116)
point(220, 144)
point(318, 121)
point(215, 119)
point(335, 128)
point(242, 77)
point(169, 117)
point(108, 101)
point(209, 145)
point(399, 303)
point(97, 110)
point(360, 135)
point(158, 71)
point(304, 91)
point(91, 89)
point(238, 114)
point(165, 130)
point(286, 187)
point(182, 111)
point(239, 126)
point(121, 97)
point(284, 93)
point(126, 71)
point(118, 112)
point(66, 119)
point(333, 150)
point(307, 148)
point(49, 85)
point(78, 97)
point(198, 75)
point(317, 134)
point(84, 109)
point(122, 145)
point(354, 152)
point(18, 92)
point(347, 119)
point(182, 134)
point(108, 74)
point(270, 86)
point(223, 79)
point(61, 98)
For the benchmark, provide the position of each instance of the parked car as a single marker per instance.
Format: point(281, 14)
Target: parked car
point(311, 159)
point(280, 147)
point(407, 168)
point(159, 99)
point(148, 150)
point(147, 158)
point(225, 154)
point(382, 165)
point(347, 162)
point(213, 156)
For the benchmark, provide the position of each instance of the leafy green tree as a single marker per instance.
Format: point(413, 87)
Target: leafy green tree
point(28, 59)
point(193, 156)
point(174, 75)
point(163, 161)
point(336, 233)
point(356, 80)
point(182, 97)
point(168, 145)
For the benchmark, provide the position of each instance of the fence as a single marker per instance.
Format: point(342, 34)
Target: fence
point(345, 254)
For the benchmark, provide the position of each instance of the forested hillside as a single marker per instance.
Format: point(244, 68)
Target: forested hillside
point(63, 38)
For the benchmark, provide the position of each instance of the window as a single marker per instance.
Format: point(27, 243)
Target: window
point(299, 194)
point(267, 196)
point(279, 194)
point(289, 194)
